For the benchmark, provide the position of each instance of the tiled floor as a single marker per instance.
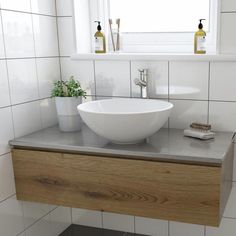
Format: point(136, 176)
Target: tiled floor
point(77, 230)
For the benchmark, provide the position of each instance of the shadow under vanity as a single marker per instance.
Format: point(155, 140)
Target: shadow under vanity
point(169, 176)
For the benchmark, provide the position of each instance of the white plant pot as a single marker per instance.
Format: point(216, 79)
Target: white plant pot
point(68, 117)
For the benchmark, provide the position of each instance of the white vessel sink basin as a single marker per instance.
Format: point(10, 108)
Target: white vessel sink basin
point(125, 120)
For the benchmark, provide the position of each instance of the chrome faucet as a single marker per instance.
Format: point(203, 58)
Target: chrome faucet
point(142, 82)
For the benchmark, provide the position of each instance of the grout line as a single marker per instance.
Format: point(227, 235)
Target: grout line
point(5, 153)
point(24, 58)
point(58, 41)
point(209, 84)
point(35, 222)
point(64, 16)
point(94, 78)
point(7, 198)
point(102, 219)
point(134, 224)
point(204, 230)
point(25, 12)
point(35, 100)
point(168, 229)
point(130, 79)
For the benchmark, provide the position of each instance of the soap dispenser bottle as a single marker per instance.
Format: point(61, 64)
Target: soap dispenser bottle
point(100, 42)
point(200, 40)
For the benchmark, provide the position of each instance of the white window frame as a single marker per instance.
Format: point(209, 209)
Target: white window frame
point(152, 42)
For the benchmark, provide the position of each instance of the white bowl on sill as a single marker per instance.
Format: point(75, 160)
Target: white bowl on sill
point(125, 120)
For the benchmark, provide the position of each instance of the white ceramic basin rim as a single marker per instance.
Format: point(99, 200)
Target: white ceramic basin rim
point(125, 120)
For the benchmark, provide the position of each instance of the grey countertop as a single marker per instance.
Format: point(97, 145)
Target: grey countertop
point(166, 145)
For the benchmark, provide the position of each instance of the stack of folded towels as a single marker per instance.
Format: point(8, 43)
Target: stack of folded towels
point(200, 131)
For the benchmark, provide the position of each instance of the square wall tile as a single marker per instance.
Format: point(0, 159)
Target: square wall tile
point(157, 78)
point(87, 217)
point(223, 81)
point(222, 116)
point(48, 112)
point(33, 211)
point(18, 33)
point(11, 217)
point(118, 222)
point(45, 35)
point(47, 7)
point(4, 85)
point(41, 228)
point(112, 78)
point(7, 182)
point(227, 228)
point(228, 33)
point(66, 36)
point(16, 5)
point(83, 71)
point(60, 219)
point(152, 227)
point(230, 209)
point(6, 129)
point(189, 80)
point(64, 7)
point(26, 118)
point(48, 71)
point(2, 50)
point(23, 80)
point(182, 229)
point(185, 112)
point(228, 5)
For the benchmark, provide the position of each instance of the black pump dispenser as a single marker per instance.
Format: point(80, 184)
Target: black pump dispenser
point(200, 26)
point(99, 28)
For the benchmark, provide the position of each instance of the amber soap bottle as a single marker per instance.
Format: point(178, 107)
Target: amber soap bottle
point(200, 40)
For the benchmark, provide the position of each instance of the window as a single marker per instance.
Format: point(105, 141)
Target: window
point(156, 25)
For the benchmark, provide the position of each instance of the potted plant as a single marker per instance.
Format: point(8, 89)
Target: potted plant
point(68, 95)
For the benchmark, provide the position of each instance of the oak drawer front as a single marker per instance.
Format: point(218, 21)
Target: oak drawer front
point(179, 192)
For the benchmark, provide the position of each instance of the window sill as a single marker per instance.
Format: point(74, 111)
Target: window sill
point(154, 57)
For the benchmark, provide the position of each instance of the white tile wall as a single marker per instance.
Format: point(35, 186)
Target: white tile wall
point(182, 229)
point(64, 7)
point(45, 35)
point(228, 34)
point(185, 112)
point(4, 86)
point(11, 218)
point(223, 81)
point(126, 222)
point(46, 7)
point(60, 220)
point(222, 116)
point(48, 112)
point(66, 36)
point(23, 80)
point(87, 217)
point(33, 212)
point(112, 78)
point(48, 70)
point(230, 210)
point(2, 50)
point(189, 80)
point(18, 34)
point(7, 183)
point(26, 118)
point(6, 128)
point(22, 5)
point(151, 227)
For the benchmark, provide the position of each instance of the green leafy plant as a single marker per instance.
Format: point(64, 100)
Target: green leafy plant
point(69, 88)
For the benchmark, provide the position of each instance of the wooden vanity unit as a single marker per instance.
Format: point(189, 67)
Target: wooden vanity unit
point(138, 181)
